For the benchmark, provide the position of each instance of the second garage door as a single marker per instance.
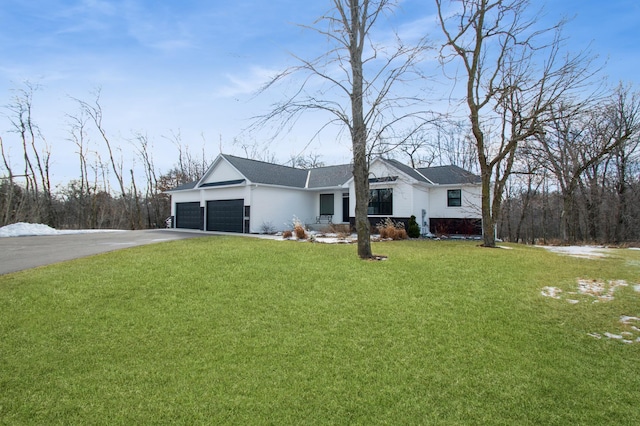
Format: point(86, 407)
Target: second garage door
point(225, 215)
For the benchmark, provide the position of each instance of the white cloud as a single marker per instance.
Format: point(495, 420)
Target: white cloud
point(247, 84)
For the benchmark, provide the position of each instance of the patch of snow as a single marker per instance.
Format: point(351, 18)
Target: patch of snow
point(598, 288)
point(627, 319)
point(637, 288)
point(325, 238)
point(624, 336)
point(552, 292)
point(602, 291)
point(586, 252)
point(613, 336)
point(22, 229)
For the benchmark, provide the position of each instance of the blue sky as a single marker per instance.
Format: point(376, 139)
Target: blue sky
point(192, 66)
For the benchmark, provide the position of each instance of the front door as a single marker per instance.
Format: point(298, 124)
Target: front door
point(345, 208)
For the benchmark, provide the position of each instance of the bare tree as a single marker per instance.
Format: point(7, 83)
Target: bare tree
point(506, 95)
point(577, 141)
point(155, 202)
point(418, 150)
point(36, 154)
point(357, 79)
point(7, 185)
point(309, 161)
point(78, 135)
point(453, 146)
point(94, 111)
point(189, 167)
point(626, 113)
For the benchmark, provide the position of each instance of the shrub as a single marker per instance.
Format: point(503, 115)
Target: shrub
point(388, 229)
point(267, 228)
point(413, 230)
point(287, 234)
point(298, 229)
point(301, 234)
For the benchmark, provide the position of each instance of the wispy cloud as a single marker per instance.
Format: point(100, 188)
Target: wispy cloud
point(87, 16)
point(158, 26)
point(247, 84)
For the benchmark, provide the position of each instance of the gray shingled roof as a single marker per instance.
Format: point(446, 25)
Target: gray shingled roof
point(334, 176)
point(449, 175)
point(268, 173)
point(189, 185)
point(331, 176)
point(406, 169)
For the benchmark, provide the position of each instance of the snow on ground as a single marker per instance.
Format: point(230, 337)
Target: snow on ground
point(22, 229)
point(587, 252)
point(600, 291)
point(323, 237)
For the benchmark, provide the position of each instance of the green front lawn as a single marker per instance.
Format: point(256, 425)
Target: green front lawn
point(232, 330)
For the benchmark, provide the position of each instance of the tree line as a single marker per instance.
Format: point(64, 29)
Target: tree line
point(557, 153)
point(105, 193)
point(578, 180)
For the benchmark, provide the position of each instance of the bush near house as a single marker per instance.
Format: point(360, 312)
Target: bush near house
point(388, 229)
point(413, 230)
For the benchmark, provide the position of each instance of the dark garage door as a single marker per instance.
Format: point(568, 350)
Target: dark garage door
point(225, 215)
point(189, 215)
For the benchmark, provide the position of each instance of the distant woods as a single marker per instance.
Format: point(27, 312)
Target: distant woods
point(112, 189)
point(577, 180)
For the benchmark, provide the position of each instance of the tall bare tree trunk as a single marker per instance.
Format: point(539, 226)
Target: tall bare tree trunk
point(357, 33)
point(507, 92)
point(373, 110)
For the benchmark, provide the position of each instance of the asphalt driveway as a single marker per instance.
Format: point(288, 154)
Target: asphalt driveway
point(18, 253)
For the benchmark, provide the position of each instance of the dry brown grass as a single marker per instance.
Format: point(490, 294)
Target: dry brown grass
point(300, 232)
point(389, 230)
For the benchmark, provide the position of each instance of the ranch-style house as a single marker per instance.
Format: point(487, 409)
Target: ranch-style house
point(248, 196)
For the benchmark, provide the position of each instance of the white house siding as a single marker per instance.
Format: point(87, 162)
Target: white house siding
point(222, 172)
point(379, 169)
point(470, 202)
point(337, 205)
point(421, 202)
point(230, 193)
point(405, 197)
point(277, 206)
point(402, 196)
point(183, 197)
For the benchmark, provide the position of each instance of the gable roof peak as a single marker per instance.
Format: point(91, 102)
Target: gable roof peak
point(268, 173)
